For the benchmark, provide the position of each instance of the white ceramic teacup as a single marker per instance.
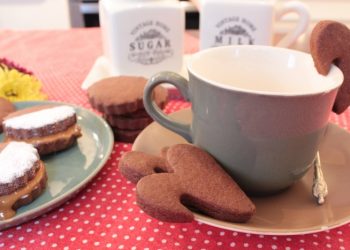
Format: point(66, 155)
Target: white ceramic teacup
point(261, 111)
point(248, 22)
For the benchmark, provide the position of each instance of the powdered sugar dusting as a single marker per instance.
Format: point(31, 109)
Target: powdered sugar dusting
point(15, 159)
point(40, 118)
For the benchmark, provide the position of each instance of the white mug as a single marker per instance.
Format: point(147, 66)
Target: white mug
point(248, 22)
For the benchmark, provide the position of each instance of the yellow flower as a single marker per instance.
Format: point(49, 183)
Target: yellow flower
point(16, 86)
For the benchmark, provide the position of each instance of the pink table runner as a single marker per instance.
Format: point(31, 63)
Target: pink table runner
point(104, 215)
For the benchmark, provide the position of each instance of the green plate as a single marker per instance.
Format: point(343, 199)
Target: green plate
point(71, 170)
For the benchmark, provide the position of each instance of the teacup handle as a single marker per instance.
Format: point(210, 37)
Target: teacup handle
point(156, 113)
point(303, 22)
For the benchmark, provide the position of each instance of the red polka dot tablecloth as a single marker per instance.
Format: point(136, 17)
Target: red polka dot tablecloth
point(104, 215)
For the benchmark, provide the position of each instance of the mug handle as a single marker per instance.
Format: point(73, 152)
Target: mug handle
point(302, 25)
point(156, 113)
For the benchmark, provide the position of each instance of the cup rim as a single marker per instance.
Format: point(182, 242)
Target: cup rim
point(334, 71)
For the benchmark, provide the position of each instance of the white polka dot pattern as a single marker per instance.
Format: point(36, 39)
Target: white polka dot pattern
point(105, 215)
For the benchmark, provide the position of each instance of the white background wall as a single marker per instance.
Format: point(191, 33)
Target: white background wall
point(51, 14)
point(39, 14)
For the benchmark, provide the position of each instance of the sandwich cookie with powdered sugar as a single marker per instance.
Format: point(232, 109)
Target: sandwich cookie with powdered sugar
point(22, 177)
point(50, 128)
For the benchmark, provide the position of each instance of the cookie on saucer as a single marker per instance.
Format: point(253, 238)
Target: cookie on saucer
point(185, 177)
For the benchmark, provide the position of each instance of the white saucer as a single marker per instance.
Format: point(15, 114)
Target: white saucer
point(293, 211)
point(102, 69)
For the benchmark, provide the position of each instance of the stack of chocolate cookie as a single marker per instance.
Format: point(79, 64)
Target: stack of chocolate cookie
point(120, 100)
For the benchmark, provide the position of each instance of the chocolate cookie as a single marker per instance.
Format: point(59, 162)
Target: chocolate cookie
point(141, 113)
point(136, 165)
point(22, 180)
point(50, 128)
point(330, 43)
point(187, 177)
point(6, 107)
point(122, 95)
point(125, 135)
point(129, 123)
